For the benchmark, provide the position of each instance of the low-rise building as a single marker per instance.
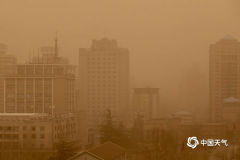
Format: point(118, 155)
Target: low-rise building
point(32, 135)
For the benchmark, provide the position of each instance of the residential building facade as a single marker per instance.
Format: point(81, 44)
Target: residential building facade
point(230, 108)
point(104, 81)
point(147, 101)
point(32, 136)
point(6, 60)
point(39, 88)
point(224, 58)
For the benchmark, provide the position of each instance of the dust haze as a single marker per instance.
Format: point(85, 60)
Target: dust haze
point(164, 37)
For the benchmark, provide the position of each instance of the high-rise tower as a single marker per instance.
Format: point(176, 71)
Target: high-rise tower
point(224, 74)
point(103, 79)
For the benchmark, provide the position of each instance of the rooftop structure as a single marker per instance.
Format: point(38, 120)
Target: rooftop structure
point(106, 151)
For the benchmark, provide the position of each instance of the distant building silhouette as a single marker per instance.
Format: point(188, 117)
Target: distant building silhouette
point(103, 79)
point(224, 74)
point(6, 60)
point(193, 89)
point(147, 101)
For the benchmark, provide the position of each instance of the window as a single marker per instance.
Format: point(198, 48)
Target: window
point(15, 136)
point(7, 128)
point(20, 95)
point(15, 128)
point(29, 87)
point(10, 103)
point(24, 136)
point(48, 87)
point(20, 87)
point(48, 95)
point(10, 95)
point(38, 95)
point(38, 87)
point(34, 136)
point(33, 128)
point(42, 128)
point(10, 87)
point(29, 95)
point(41, 146)
point(33, 155)
point(24, 128)
point(42, 136)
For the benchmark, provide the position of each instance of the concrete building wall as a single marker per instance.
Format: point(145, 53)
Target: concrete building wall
point(103, 80)
point(59, 93)
point(34, 88)
point(223, 74)
point(6, 60)
point(147, 101)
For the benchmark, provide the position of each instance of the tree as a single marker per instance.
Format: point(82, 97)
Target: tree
point(107, 132)
point(123, 134)
point(65, 149)
point(115, 134)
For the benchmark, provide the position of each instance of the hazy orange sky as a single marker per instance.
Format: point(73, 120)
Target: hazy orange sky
point(163, 36)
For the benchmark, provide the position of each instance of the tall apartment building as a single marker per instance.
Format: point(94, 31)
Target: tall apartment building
point(103, 79)
point(224, 60)
point(32, 135)
point(6, 60)
point(147, 101)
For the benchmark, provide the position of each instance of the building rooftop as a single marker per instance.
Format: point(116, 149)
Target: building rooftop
point(231, 100)
point(203, 124)
point(228, 37)
point(107, 151)
point(23, 114)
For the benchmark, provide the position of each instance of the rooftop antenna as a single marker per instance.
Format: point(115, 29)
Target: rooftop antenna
point(56, 51)
point(104, 34)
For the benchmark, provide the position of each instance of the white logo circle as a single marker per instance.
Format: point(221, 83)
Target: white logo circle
point(192, 139)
